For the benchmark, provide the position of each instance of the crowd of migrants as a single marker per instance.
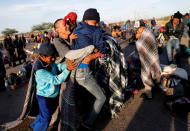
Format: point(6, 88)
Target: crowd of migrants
point(84, 48)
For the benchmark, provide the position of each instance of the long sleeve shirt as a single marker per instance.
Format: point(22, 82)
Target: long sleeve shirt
point(48, 81)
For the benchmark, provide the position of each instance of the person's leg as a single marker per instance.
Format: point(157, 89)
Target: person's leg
point(44, 117)
point(12, 57)
point(148, 90)
point(176, 45)
point(169, 50)
point(87, 80)
point(9, 59)
point(19, 57)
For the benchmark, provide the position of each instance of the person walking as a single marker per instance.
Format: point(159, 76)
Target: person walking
point(148, 54)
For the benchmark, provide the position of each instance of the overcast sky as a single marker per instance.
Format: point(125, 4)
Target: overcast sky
point(23, 14)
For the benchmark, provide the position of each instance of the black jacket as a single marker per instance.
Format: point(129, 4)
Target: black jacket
point(8, 43)
point(19, 44)
point(168, 30)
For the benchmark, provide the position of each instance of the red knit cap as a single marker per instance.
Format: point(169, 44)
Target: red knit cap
point(72, 16)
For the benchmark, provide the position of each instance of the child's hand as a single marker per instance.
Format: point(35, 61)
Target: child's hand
point(102, 55)
point(98, 54)
point(73, 36)
point(91, 57)
point(71, 65)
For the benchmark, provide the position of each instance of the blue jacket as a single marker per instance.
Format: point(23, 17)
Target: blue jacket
point(47, 78)
point(153, 22)
point(88, 35)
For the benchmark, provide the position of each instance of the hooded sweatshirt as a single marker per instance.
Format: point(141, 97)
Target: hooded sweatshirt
point(88, 35)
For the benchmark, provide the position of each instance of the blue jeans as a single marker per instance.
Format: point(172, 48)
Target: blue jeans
point(170, 45)
point(87, 80)
point(42, 120)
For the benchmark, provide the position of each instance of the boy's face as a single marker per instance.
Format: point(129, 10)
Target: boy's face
point(91, 22)
point(47, 59)
point(176, 21)
point(139, 32)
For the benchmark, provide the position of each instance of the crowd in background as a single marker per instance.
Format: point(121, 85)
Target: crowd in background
point(148, 37)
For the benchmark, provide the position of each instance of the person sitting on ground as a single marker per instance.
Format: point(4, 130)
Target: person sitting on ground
point(89, 33)
point(47, 84)
point(173, 32)
point(148, 54)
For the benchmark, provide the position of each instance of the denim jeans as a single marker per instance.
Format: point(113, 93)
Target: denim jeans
point(42, 120)
point(87, 80)
point(173, 43)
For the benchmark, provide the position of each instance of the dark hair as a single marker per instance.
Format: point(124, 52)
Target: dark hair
point(178, 15)
point(47, 49)
point(141, 21)
point(186, 14)
point(55, 23)
point(45, 32)
point(46, 40)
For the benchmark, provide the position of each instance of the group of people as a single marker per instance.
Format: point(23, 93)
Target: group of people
point(42, 37)
point(15, 49)
point(173, 31)
point(79, 44)
point(74, 39)
point(82, 43)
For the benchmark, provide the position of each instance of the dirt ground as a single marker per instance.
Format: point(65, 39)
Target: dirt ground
point(137, 115)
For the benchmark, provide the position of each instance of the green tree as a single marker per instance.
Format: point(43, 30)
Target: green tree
point(9, 31)
point(43, 26)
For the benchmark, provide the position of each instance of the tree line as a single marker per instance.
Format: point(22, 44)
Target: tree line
point(38, 28)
